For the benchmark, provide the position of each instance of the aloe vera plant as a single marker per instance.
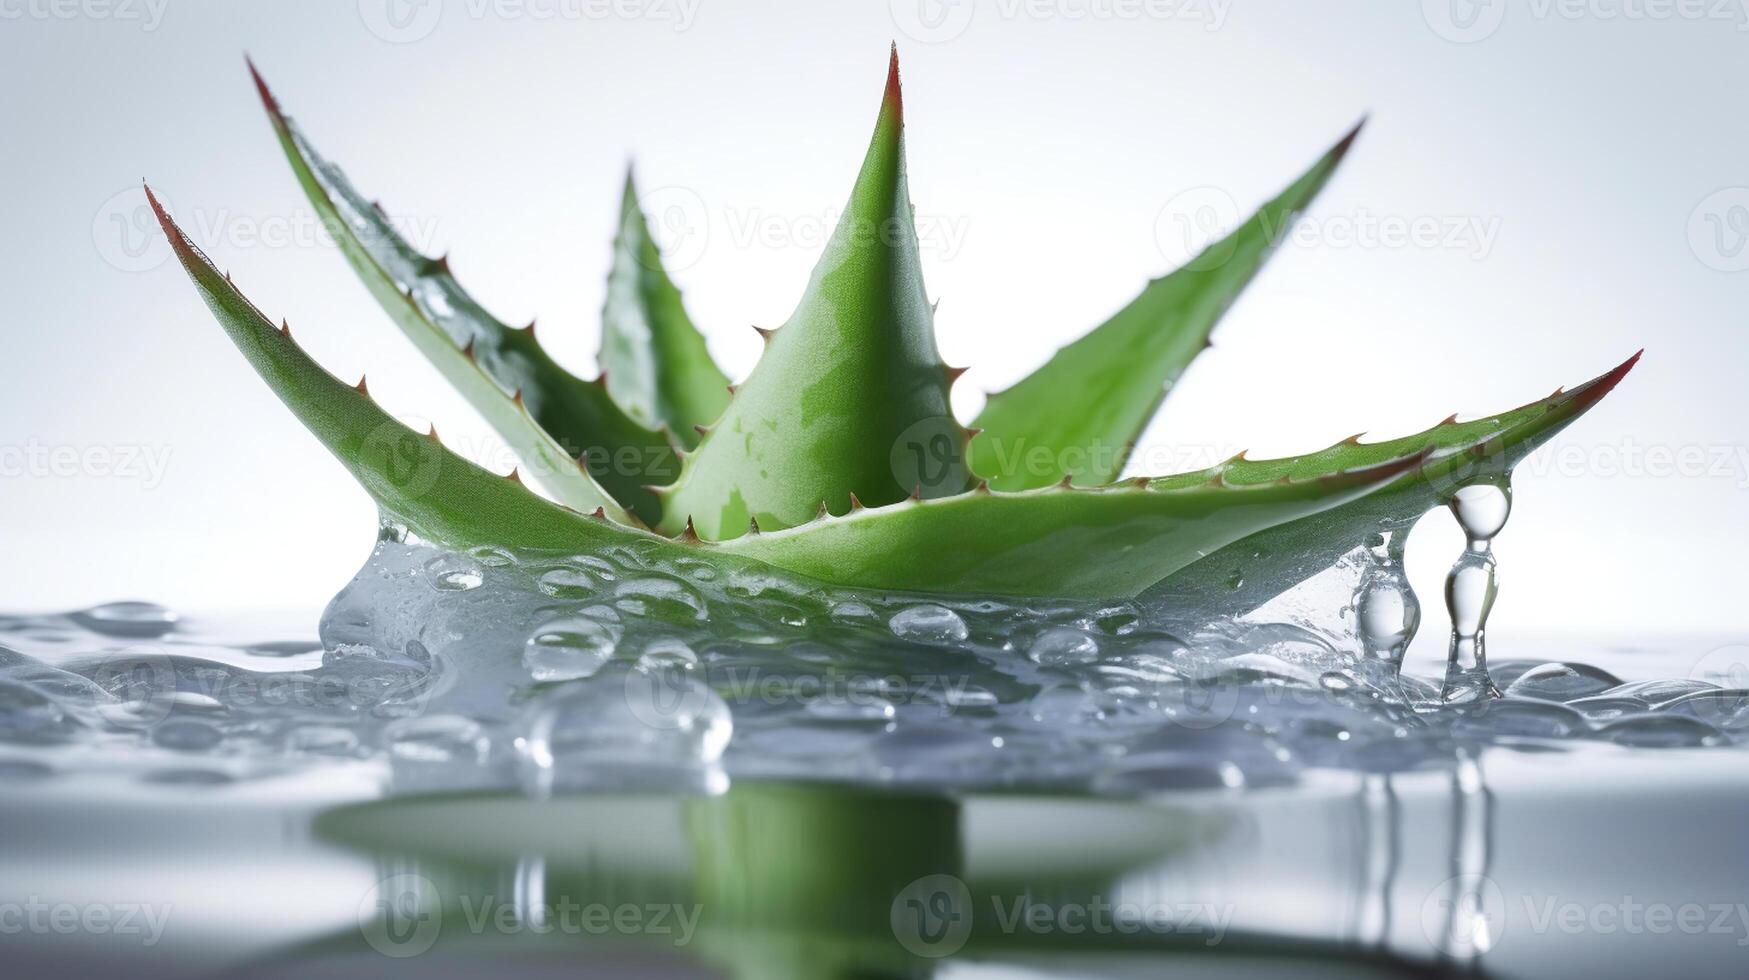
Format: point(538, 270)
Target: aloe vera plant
point(839, 458)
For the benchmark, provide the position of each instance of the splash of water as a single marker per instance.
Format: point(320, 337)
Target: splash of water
point(441, 671)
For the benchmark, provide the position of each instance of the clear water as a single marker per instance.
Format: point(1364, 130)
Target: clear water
point(473, 671)
point(779, 727)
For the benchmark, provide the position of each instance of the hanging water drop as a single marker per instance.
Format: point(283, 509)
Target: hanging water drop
point(1481, 510)
point(1387, 612)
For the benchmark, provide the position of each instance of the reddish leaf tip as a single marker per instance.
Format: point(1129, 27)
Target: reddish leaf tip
point(894, 99)
point(261, 88)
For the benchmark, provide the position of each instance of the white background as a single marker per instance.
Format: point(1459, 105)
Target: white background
point(1051, 139)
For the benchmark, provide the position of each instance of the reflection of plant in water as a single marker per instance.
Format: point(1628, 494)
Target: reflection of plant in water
point(838, 457)
point(808, 880)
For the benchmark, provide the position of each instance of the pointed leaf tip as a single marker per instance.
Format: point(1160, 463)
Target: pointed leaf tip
point(1343, 145)
point(894, 101)
point(261, 88)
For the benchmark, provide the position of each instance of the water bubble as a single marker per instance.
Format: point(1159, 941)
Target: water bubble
point(568, 582)
point(1060, 705)
point(1606, 707)
point(859, 709)
point(1726, 709)
point(322, 740)
point(491, 556)
point(928, 623)
point(851, 611)
point(969, 698)
point(186, 735)
point(667, 653)
point(1117, 620)
point(1660, 692)
point(1063, 646)
point(438, 739)
point(1513, 715)
point(28, 715)
point(666, 599)
point(1562, 682)
point(451, 573)
point(1387, 612)
point(611, 728)
point(1481, 510)
point(139, 620)
point(569, 648)
point(1659, 731)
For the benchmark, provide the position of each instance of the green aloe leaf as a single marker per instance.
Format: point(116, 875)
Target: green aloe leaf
point(414, 480)
point(1052, 542)
point(1081, 413)
point(850, 398)
point(1250, 572)
point(420, 294)
point(656, 362)
point(1057, 541)
point(1060, 542)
